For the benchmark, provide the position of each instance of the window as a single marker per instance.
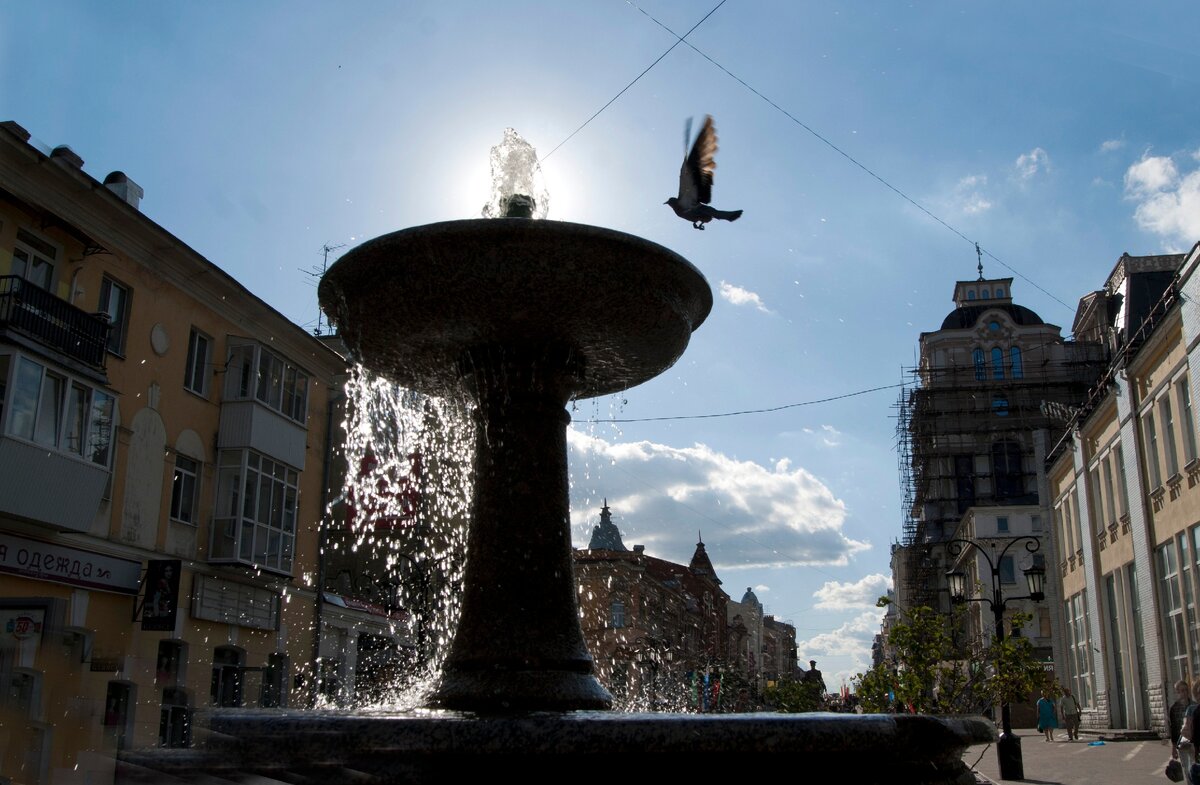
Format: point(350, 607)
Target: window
point(984, 294)
point(1150, 434)
point(169, 665)
point(184, 489)
point(255, 372)
point(1008, 572)
point(195, 376)
point(1014, 357)
point(964, 476)
point(22, 691)
point(1188, 424)
point(227, 676)
point(5, 362)
point(175, 719)
point(1096, 498)
point(60, 413)
point(119, 704)
point(274, 686)
point(1122, 484)
point(1109, 511)
point(999, 292)
point(1079, 654)
point(618, 614)
point(255, 519)
point(1062, 519)
point(997, 363)
point(1000, 406)
point(1174, 629)
point(971, 295)
point(114, 301)
point(33, 259)
point(1006, 470)
point(1168, 429)
point(1002, 524)
point(980, 372)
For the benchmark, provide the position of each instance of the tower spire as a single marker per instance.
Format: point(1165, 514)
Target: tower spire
point(979, 255)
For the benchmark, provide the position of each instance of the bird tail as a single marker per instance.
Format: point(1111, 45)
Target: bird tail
point(727, 215)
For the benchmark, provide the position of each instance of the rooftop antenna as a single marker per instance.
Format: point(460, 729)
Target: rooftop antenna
point(319, 273)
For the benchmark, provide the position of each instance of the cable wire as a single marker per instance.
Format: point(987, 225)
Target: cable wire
point(838, 150)
point(752, 411)
point(639, 76)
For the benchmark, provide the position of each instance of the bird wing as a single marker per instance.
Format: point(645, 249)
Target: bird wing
point(696, 174)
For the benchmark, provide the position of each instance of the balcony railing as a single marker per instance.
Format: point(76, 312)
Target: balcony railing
point(56, 323)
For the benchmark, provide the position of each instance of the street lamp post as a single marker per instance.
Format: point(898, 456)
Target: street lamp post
point(1008, 748)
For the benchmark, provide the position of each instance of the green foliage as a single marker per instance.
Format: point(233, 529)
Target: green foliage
point(937, 669)
point(793, 697)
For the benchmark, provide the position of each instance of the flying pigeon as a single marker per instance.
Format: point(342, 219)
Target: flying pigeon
point(696, 177)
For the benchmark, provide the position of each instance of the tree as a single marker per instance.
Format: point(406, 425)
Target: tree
point(793, 697)
point(936, 669)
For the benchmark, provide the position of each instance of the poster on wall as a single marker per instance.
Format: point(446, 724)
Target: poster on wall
point(162, 595)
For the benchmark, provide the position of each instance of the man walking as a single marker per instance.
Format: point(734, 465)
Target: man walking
point(1069, 707)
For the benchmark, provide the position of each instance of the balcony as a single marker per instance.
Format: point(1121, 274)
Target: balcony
point(31, 311)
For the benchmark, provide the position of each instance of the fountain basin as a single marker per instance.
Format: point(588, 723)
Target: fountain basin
point(579, 747)
point(410, 303)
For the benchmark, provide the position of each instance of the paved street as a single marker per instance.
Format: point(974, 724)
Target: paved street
point(1076, 762)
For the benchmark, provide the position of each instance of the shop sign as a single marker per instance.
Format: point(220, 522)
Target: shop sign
point(63, 564)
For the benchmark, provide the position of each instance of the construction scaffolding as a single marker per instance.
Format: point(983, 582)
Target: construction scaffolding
point(965, 438)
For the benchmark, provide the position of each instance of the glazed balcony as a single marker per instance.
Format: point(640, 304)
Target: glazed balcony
point(28, 311)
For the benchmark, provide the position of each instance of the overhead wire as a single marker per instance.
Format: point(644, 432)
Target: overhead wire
point(752, 411)
point(841, 152)
point(639, 76)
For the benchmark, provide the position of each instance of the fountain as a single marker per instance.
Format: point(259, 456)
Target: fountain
point(523, 316)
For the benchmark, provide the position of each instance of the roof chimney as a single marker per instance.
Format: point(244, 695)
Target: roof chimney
point(67, 156)
point(123, 187)
point(639, 549)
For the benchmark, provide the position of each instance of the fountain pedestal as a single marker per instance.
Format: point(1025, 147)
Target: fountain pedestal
point(518, 645)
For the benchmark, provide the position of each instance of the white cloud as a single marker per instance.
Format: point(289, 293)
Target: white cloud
point(663, 497)
point(863, 594)
point(1032, 162)
point(852, 639)
point(968, 195)
point(829, 436)
point(1150, 175)
point(1168, 201)
point(739, 296)
point(1109, 145)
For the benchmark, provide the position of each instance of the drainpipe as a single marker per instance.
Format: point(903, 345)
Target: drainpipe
point(322, 536)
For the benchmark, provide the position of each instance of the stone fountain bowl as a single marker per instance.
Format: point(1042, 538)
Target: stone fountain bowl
point(410, 303)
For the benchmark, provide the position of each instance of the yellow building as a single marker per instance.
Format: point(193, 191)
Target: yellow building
point(1124, 486)
point(163, 439)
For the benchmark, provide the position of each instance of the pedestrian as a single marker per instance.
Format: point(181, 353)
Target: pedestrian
point(1047, 716)
point(814, 676)
point(1176, 715)
point(1187, 739)
point(1071, 712)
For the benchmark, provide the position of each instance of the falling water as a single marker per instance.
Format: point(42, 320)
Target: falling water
point(405, 501)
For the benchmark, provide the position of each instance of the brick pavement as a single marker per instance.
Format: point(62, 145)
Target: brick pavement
point(1063, 762)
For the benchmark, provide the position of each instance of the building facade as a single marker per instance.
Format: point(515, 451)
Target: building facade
point(666, 635)
point(1126, 505)
point(992, 386)
point(163, 438)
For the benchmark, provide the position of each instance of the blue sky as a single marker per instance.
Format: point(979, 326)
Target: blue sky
point(1056, 135)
